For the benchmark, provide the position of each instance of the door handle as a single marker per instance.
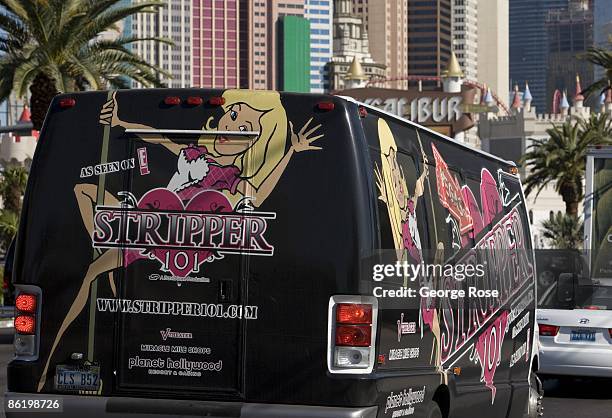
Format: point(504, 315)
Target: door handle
point(225, 290)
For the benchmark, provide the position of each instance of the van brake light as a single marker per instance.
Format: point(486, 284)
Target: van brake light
point(26, 302)
point(67, 102)
point(352, 313)
point(194, 101)
point(548, 330)
point(25, 324)
point(172, 100)
point(217, 101)
point(326, 106)
point(352, 334)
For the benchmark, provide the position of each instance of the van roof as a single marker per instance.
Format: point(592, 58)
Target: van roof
point(454, 141)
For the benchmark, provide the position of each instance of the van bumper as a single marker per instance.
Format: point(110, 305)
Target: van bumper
point(99, 406)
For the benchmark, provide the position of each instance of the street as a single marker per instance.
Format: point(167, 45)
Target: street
point(577, 398)
point(572, 398)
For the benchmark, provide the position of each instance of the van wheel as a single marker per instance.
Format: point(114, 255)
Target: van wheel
point(433, 411)
point(536, 394)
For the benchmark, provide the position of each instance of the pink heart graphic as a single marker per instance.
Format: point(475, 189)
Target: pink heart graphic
point(167, 200)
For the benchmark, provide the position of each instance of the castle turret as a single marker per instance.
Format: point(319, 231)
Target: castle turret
point(483, 93)
point(516, 100)
point(488, 99)
point(355, 76)
point(564, 104)
point(578, 97)
point(452, 78)
point(527, 98)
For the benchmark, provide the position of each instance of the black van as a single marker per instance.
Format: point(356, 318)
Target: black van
point(236, 253)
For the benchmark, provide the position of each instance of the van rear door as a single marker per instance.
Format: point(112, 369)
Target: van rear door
point(180, 328)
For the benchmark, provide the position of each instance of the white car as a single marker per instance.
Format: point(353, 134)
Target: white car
point(577, 340)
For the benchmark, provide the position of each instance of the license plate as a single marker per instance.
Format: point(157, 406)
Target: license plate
point(77, 378)
point(582, 336)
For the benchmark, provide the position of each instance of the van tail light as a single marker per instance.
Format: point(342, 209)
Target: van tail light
point(610, 332)
point(26, 302)
point(353, 313)
point(548, 330)
point(27, 322)
point(352, 334)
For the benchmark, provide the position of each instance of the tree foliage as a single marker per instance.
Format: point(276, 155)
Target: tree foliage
point(12, 188)
point(55, 46)
point(601, 57)
point(560, 159)
point(563, 231)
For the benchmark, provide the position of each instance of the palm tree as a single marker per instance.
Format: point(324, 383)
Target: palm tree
point(563, 231)
point(12, 188)
point(561, 158)
point(9, 223)
point(55, 46)
point(603, 58)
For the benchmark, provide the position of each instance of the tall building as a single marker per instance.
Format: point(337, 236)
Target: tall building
point(465, 35)
point(172, 21)
point(570, 34)
point(602, 11)
point(529, 45)
point(493, 46)
point(215, 44)
point(277, 10)
point(602, 28)
point(320, 15)
point(351, 43)
point(259, 23)
point(386, 22)
point(293, 54)
point(429, 37)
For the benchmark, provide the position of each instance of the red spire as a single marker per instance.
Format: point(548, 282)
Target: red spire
point(578, 96)
point(516, 101)
point(25, 115)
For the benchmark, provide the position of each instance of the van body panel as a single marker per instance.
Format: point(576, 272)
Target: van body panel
point(190, 253)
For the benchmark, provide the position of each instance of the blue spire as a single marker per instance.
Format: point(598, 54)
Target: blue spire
point(527, 93)
point(564, 102)
point(488, 97)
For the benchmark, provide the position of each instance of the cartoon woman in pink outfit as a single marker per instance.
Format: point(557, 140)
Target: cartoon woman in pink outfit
point(394, 192)
point(401, 207)
point(239, 167)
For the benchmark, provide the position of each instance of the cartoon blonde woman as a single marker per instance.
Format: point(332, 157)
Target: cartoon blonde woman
point(239, 168)
point(401, 207)
point(394, 192)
